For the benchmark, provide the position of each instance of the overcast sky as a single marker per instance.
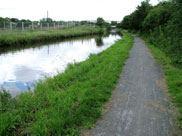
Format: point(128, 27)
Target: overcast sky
point(69, 9)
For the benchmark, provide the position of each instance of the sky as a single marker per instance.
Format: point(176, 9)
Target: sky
point(69, 9)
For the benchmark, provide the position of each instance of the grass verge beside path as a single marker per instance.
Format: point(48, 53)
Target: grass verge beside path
point(70, 101)
point(18, 38)
point(173, 77)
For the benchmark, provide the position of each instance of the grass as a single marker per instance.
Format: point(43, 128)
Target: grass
point(69, 102)
point(173, 77)
point(19, 38)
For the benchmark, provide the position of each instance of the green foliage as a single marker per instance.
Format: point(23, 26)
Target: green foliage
point(158, 16)
point(107, 26)
point(161, 24)
point(18, 38)
point(173, 78)
point(119, 25)
point(4, 98)
point(46, 20)
point(15, 21)
point(134, 20)
point(114, 23)
point(71, 100)
point(100, 22)
point(174, 33)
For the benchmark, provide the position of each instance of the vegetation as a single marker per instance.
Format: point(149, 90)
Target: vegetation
point(5, 23)
point(13, 20)
point(101, 23)
point(161, 24)
point(17, 38)
point(17, 48)
point(68, 102)
point(134, 20)
point(114, 23)
point(46, 20)
point(173, 77)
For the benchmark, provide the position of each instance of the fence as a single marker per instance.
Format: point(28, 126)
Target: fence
point(37, 26)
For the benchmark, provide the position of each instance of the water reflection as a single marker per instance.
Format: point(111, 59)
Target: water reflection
point(23, 68)
point(99, 41)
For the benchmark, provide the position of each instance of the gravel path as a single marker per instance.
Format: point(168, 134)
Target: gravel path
point(140, 105)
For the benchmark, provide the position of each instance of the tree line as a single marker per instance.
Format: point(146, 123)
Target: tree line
point(161, 24)
point(27, 22)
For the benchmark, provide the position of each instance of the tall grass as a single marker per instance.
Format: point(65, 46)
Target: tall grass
point(18, 38)
point(70, 101)
point(173, 77)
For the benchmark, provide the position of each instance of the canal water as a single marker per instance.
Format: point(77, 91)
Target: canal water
point(19, 70)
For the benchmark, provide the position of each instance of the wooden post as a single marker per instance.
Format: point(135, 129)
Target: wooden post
point(40, 26)
point(54, 26)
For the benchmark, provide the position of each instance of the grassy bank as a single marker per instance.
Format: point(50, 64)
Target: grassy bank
point(173, 77)
point(70, 101)
point(18, 38)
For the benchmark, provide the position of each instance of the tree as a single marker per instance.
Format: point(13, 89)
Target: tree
point(46, 20)
point(15, 20)
point(134, 20)
point(100, 22)
point(158, 16)
point(114, 23)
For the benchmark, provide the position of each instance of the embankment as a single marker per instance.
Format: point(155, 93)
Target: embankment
point(70, 101)
point(22, 38)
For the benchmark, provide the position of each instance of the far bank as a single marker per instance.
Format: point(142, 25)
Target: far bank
point(22, 38)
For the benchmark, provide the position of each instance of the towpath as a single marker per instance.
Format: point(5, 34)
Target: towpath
point(140, 105)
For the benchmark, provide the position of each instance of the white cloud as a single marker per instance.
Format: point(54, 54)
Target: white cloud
point(69, 9)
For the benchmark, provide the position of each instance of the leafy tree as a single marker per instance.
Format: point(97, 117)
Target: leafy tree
point(100, 22)
point(107, 26)
point(15, 20)
point(174, 32)
point(84, 22)
point(134, 21)
point(158, 16)
point(161, 24)
point(46, 20)
point(114, 23)
point(119, 25)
